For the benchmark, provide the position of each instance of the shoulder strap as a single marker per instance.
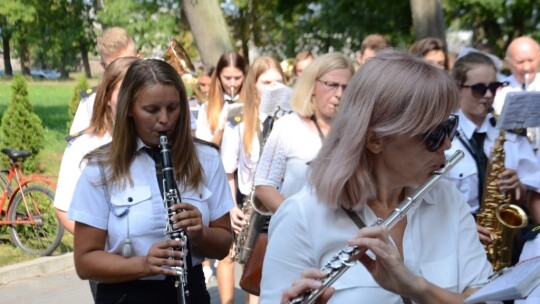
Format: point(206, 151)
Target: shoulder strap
point(106, 192)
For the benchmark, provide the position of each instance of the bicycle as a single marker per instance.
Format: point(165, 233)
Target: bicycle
point(31, 218)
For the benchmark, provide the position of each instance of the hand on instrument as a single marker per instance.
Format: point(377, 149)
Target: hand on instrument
point(309, 281)
point(222, 120)
point(161, 254)
point(508, 180)
point(388, 268)
point(237, 219)
point(188, 217)
point(484, 234)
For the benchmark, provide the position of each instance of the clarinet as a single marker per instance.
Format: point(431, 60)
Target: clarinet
point(170, 197)
point(349, 256)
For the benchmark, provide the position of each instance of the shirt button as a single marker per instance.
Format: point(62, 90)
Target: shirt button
point(130, 199)
point(200, 195)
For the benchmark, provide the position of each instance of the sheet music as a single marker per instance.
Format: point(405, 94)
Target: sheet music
point(520, 110)
point(276, 95)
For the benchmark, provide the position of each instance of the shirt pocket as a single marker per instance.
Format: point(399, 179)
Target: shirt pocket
point(199, 198)
point(443, 273)
point(137, 201)
point(465, 177)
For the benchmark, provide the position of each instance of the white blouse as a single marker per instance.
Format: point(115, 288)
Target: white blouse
point(145, 222)
point(518, 156)
point(234, 157)
point(286, 154)
point(72, 167)
point(440, 243)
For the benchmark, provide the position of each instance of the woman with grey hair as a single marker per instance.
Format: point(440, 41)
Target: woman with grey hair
point(296, 138)
point(392, 130)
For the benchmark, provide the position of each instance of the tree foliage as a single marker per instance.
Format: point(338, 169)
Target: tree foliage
point(82, 85)
point(494, 22)
point(21, 128)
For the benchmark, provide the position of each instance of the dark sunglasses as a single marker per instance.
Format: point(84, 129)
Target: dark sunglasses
point(478, 90)
point(435, 138)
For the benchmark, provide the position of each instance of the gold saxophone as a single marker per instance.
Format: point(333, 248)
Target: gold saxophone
point(497, 213)
point(252, 226)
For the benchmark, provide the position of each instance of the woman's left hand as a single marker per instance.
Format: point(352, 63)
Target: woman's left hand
point(188, 217)
point(388, 268)
point(508, 180)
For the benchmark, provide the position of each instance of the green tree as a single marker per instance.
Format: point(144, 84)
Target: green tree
point(494, 22)
point(21, 128)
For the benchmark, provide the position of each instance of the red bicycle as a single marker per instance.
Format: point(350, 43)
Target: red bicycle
point(30, 215)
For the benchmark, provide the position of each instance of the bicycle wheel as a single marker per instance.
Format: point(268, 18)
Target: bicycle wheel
point(42, 237)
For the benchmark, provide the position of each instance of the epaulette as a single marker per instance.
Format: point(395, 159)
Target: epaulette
point(88, 92)
point(71, 137)
point(235, 120)
point(204, 142)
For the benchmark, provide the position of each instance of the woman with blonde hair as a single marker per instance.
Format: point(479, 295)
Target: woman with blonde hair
point(225, 86)
point(296, 138)
point(240, 151)
point(395, 124)
point(98, 133)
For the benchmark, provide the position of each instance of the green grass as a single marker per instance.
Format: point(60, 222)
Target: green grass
point(50, 101)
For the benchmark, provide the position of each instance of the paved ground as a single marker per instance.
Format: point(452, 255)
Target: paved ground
point(53, 280)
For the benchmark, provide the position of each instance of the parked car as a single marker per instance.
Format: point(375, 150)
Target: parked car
point(45, 74)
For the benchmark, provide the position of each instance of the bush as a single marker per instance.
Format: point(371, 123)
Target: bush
point(82, 85)
point(21, 128)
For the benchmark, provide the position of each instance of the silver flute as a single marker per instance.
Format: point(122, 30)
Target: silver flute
point(348, 256)
point(171, 196)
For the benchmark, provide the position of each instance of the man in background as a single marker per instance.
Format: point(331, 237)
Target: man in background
point(114, 42)
point(523, 59)
point(370, 46)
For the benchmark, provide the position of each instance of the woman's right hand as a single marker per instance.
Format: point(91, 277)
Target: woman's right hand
point(161, 257)
point(237, 219)
point(310, 280)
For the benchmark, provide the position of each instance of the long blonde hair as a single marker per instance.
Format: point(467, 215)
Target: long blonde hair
point(215, 95)
point(251, 100)
point(102, 120)
point(119, 155)
point(391, 94)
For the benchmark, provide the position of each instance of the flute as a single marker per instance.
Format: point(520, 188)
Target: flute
point(348, 256)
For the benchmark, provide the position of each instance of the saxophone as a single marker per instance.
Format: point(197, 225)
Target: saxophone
point(245, 241)
point(497, 214)
point(171, 196)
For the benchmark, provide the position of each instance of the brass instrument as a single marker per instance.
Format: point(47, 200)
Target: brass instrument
point(497, 213)
point(171, 196)
point(177, 57)
point(348, 256)
point(245, 241)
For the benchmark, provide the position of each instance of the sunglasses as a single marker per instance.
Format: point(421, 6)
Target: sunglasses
point(435, 138)
point(478, 90)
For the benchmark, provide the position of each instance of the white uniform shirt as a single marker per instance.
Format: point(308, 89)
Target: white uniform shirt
point(234, 157)
point(283, 163)
point(518, 156)
point(513, 86)
point(72, 167)
point(440, 243)
point(146, 219)
point(82, 117)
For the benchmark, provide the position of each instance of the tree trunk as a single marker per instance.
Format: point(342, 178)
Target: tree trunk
point(8, 69)
point(209, 28)
point(25, 58)
point(84, 58)
point(428, 19)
